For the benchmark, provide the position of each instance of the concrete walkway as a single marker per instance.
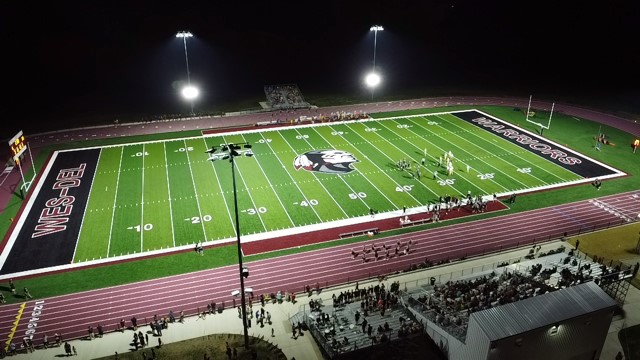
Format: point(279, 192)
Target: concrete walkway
point(304, 347)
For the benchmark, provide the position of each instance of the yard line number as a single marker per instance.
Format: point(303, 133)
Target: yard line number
point(445, 182)
point(138, 228)
point(198, 219)
point(253, 211)
point(311, 202)
point(184, 149)
point(358, 195)
point(404, 188)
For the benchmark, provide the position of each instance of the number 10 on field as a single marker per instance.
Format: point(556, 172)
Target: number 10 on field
point(138, 228)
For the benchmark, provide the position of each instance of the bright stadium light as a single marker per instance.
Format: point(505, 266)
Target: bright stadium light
point(184, 35)
point(230, 152)
point(373, 79)
point(190, 92)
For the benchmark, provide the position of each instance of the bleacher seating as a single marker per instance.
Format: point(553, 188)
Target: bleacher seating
point(449, 305)
point(286, 96)
point(338, 320)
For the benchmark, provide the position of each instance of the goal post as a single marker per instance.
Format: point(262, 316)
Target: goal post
point(541, 125)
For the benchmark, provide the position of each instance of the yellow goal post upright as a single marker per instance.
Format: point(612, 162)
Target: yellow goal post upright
point(542, 126)
point(19, 146)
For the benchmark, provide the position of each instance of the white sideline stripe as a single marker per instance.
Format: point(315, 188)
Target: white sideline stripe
point(166, 170)
point(115, 199)
point(75, 248)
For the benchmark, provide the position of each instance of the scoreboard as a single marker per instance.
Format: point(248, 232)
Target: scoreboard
point(18, 146)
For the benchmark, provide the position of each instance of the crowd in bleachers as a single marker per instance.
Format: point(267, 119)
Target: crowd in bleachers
point(285, 97)
point(449, 305)
point(358, 318)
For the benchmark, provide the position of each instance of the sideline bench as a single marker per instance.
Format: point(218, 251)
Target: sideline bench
point(359, 232)
point(415, 222)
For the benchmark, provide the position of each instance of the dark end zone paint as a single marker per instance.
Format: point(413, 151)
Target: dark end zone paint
point(49, 234)
point(583, 167)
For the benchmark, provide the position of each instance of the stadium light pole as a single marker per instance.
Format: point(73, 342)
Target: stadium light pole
point(231, 151)
point(189, 92)
point(373, 79)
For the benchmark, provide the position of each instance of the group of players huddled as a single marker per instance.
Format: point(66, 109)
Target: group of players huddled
point(445, 160)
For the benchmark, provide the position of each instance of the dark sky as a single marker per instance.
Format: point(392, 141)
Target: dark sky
point(71, 61)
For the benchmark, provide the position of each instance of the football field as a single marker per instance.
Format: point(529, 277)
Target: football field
point(165, 195)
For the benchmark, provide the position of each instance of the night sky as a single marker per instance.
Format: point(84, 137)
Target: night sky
point(68, 62)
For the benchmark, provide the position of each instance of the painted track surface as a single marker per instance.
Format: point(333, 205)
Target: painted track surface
point(70, 315)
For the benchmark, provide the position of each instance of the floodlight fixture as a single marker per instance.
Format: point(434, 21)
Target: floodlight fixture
point(190, 92)
point(372, 80)
point(184, 35)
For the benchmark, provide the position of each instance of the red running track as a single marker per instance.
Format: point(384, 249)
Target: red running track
point(70, 315)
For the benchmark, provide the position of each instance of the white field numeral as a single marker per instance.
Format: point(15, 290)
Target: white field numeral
point(356, 196)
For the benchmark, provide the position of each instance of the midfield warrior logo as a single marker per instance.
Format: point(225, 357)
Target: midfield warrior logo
point(326, 161)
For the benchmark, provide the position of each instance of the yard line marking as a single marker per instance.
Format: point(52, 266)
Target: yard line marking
point(95, 174)
point(315, 177)
point(292, 179)
point(354, 131)
point(204, 232)
point(340, 177)
point(464, 151)
point(414, 145)
point(478, 158)
point(430, 155)
point(513, 153)
point(115, 198)
point(224, 198)
point(142, 205)
point(166, 168)
point(264, 227)
point(364, 177)
point(272, 188)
